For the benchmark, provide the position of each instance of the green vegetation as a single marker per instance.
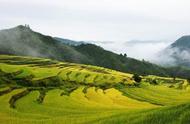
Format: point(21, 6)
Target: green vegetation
point(137, 78)
point(23, 41)
point(38, 91)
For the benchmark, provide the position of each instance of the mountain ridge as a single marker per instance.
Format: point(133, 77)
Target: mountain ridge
point(178, 53)
point(182, 42)
point(70, 42)
point(22, 40)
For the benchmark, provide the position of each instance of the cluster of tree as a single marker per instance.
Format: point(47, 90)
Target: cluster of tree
point(28, 81)
point(123, 55)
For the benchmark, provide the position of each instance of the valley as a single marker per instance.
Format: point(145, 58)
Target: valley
point(94, 62)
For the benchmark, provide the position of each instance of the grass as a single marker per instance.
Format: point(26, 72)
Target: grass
point(86, 94)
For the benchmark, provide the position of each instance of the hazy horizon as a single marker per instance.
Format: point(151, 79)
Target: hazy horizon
point(160, 22)
point(101, 20)
point(142, 50)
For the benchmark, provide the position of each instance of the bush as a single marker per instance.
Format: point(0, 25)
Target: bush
point(42, 95)
point(119, 85)
point(154, 82)
point(137, 78)
point(188, 80)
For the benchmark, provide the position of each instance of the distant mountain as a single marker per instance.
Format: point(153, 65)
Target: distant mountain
point(70, 42)
point(22, 40)
point(182, 43)
point(178, 53)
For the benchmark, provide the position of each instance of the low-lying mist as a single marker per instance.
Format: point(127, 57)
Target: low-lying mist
point(158, 52)
point(136, 49)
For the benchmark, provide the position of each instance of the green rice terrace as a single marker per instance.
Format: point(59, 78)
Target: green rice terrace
point(44, 91)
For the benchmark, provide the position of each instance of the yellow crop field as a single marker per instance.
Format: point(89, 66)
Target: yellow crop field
point(43, 91)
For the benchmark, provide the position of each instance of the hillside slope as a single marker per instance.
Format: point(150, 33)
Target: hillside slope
point(38, 91)
point(99, 56)
point(69, 42)
point(21, 40)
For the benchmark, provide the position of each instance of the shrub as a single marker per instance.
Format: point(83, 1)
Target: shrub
point(42, 95)
point(154, 82)
point(171, 86)
point(188, 80)
point(119, 85)
point(137, 78)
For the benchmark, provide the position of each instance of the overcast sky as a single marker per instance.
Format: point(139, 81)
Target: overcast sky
point(101, 20)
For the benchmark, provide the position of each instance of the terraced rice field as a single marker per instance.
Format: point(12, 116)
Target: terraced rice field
point(43, 91)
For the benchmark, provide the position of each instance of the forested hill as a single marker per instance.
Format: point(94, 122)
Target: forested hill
point(22, 40)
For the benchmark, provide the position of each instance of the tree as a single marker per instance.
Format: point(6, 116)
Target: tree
point(137, 78)
point(125, 55)
point(188, 80)
point(174, 79)
point(154, 82)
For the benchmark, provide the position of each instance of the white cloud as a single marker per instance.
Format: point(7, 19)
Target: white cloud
point(116, 20)
point(104, 20)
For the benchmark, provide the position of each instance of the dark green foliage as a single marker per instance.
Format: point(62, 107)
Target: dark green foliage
point(120, 86)
point(69, 87)
point(25, 42)
point(25, 81)
point(105, 86)
point(154, 82)
point(171, 86)
point(77, 74)
point(64, 93)
point(67, 74)
point(101, 57)
point(54, 81)
point(7, 78)
point(188, 80)
point(42, 95)
point(7, 91)
point(125, 55)
point(12, 79)
point(85, 89)
point(179, 72)
point(48, 47)
point(137, 78)
point(136, 84)
point(15, 97)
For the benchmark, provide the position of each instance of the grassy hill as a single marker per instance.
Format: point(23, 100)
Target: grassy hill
point(38, 91)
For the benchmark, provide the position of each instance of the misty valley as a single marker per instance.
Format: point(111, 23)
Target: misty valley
point(45, 79)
